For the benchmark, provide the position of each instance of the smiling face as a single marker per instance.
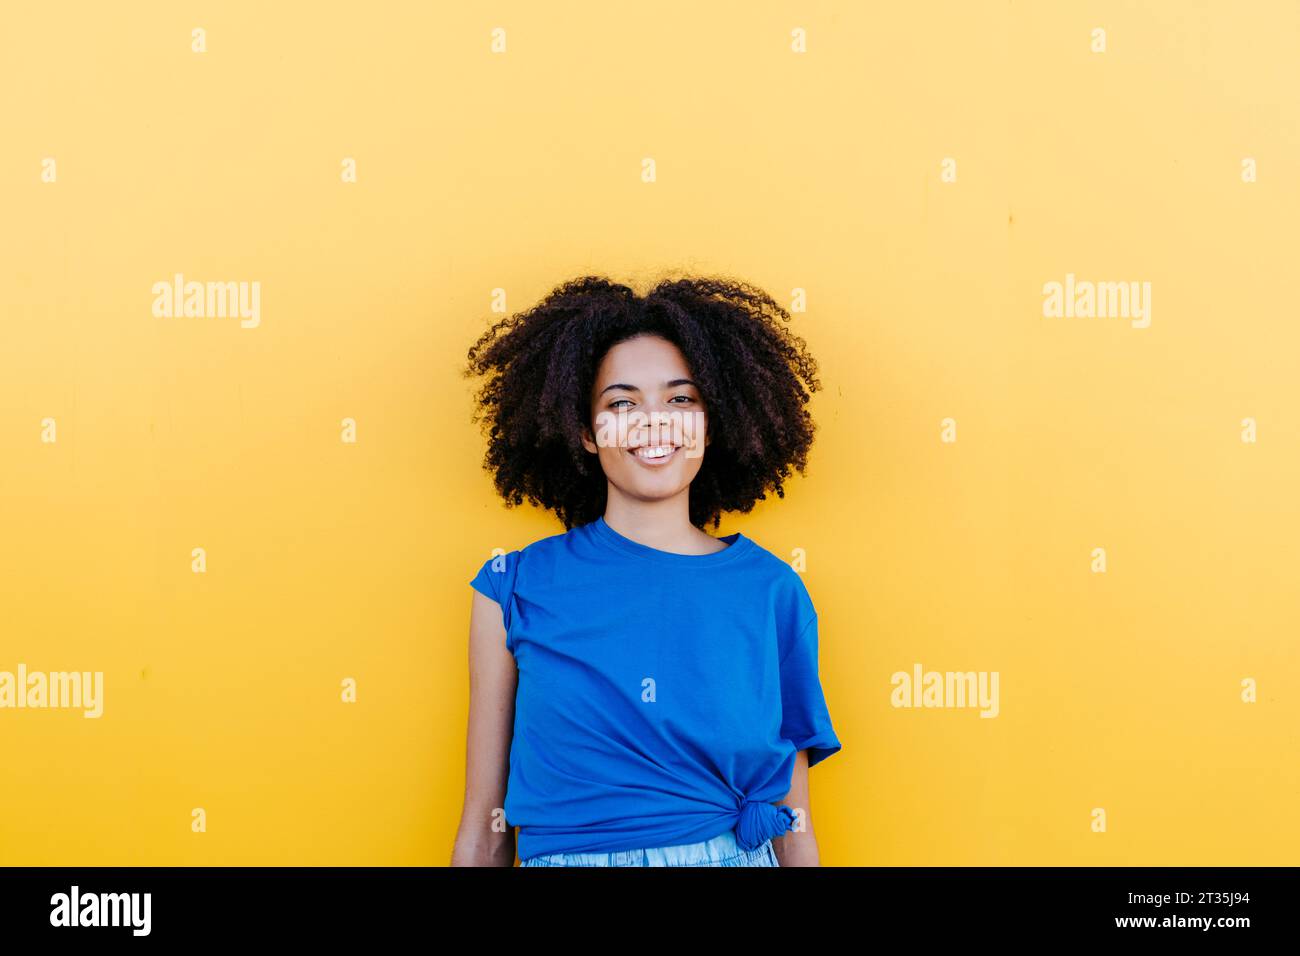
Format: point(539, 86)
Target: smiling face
point(648, 424)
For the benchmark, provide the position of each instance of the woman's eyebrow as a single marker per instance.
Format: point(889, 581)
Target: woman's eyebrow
point(632, 388)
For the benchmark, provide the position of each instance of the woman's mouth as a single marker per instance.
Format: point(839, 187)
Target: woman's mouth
point(655, 456)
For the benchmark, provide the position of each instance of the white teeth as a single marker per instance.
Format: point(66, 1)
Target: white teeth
point(659, 451)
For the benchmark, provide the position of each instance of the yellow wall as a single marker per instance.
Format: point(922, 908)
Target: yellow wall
point(816, 171)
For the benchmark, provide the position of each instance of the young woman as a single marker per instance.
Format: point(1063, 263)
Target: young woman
point(643, 693)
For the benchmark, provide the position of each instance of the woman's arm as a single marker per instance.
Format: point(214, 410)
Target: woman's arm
point(798, 848)
point(483, 838)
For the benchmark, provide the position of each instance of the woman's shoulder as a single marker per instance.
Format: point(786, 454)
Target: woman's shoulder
point(778, 567)
point(785, 579)
point(544, 551)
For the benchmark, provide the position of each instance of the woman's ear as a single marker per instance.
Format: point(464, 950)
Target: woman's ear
point(588, 442)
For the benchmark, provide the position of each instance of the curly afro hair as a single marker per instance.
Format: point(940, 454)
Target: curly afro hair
point(754, 376)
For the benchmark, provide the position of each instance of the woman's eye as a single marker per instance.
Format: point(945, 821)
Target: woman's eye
point(684, 399)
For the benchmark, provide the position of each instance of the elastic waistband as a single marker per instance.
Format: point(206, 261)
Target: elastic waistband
point(721, 850)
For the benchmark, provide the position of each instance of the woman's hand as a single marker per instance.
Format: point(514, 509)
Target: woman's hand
point(798, 847)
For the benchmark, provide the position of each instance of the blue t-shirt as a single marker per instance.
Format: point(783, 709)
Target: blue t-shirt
point(661, 698)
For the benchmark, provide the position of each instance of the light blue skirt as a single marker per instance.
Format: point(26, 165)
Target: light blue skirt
point(722, 850)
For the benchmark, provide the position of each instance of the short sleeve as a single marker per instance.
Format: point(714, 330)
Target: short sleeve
point(805, 719)
point(496, 579)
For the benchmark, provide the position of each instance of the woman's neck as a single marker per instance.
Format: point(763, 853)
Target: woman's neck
point(664, 525)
